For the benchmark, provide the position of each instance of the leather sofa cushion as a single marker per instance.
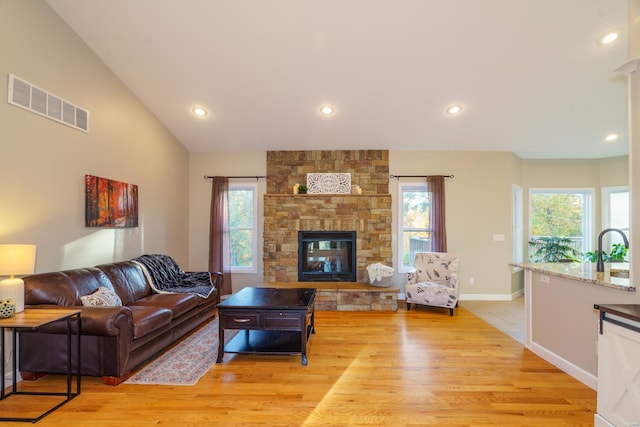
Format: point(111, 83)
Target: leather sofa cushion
point(147, 319)
point(64, 288)
point(179, 304)
point(128, 280)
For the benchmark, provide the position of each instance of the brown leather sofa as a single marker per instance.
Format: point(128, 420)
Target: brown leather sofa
point(115, 340)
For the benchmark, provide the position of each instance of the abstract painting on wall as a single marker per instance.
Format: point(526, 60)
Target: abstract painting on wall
point(110, 203)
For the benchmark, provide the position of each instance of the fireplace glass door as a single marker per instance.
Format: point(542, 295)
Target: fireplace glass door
point(327, 256)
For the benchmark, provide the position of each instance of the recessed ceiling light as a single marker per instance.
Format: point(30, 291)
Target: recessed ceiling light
point(327, 110)
point(609, 37)
point(199, 111)
point(611, 137)
point(454, 109)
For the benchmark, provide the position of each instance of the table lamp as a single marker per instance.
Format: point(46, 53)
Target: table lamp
point(16, 260)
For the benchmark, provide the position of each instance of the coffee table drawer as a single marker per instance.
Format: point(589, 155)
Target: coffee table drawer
point(240, 319)
point(283, 320)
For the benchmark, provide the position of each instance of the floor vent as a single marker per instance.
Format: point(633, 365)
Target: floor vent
point(30, 97)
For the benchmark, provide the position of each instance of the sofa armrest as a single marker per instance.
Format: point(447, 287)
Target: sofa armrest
point(216, 279)
point(99, 321)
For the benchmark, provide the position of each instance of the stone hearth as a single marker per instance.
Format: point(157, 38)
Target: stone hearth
point(342, 296)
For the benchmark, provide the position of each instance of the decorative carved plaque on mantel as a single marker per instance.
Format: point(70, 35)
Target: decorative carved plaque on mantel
point(328, 183)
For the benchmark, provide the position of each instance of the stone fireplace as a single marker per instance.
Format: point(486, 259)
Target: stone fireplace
point(326, 256)
point(285, 214)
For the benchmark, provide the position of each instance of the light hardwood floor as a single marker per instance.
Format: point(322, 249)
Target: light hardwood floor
point(415, 368)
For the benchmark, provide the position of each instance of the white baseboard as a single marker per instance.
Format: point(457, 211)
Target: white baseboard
point(491, 297)
point(576, 372)
point(480, 297)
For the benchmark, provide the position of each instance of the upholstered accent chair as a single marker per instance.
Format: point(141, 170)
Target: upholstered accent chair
point(433, 280)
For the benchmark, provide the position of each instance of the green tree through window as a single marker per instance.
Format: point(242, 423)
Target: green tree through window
point(557, 215)
point(561, 214)
point(415, 225)
point(242, 226)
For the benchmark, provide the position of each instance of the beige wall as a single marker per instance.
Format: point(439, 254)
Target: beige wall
point(44, 162)
point(478, 206)
point(221, 164)
point(614, 171)
point(564, 322)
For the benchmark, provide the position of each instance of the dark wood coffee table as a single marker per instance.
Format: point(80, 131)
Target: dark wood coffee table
point(276, 321)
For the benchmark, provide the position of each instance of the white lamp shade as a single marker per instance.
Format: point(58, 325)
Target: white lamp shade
point(17, 260)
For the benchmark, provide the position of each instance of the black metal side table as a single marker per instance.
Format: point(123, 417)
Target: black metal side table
point(32, 319)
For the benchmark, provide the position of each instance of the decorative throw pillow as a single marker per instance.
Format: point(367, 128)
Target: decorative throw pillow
point(103, 297)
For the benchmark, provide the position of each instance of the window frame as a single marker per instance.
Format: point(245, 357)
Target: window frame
point(588, 211)
point(253, 187)
point(606, 192)
point(517, 223)
point(414, 184)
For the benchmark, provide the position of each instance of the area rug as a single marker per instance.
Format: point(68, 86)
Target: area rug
point(186, 362)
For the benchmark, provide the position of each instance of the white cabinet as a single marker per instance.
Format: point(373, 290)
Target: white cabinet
point(618, 371)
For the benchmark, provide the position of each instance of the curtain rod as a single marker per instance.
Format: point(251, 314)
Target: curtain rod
point(237, 177)
point(418, 176)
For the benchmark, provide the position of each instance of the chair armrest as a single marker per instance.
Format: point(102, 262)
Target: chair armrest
point(453, 280)
point(412, 276)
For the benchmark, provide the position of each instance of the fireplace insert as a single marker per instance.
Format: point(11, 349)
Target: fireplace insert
point(328, 256)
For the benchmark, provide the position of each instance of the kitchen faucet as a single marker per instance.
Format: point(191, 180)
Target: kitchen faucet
point(600, 267)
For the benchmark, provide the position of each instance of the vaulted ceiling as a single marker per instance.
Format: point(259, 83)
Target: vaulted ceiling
point(530, 74)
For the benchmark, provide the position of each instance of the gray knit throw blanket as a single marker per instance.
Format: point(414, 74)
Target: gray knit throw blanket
point(167, 276)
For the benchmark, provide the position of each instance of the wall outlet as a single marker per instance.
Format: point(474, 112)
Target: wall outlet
point(472, 281)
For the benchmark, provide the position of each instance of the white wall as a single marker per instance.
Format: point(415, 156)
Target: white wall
point(44, 162)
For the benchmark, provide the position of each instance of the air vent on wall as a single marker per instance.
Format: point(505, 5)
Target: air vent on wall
point(30, 97)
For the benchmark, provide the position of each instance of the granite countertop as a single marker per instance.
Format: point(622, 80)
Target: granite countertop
point(584, 272)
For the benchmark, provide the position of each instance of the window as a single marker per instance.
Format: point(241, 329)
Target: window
point(243, 227)
point(615, 214)
point(414, 222)
point(564, 213)
point(518, 243)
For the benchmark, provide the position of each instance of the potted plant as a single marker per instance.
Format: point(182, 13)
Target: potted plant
point(617, 254)
point(553, 249)
point(302, 189)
